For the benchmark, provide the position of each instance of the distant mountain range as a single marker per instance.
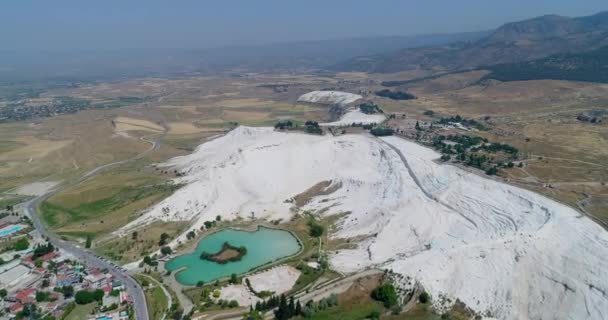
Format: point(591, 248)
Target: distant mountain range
point(511, 43)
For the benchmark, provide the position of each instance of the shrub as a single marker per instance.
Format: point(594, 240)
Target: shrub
point(86, 297)
point(374, 315)
point(395, 95)
point(381, 131)
point(316, 230)
point(424, 297)
point(386, 294)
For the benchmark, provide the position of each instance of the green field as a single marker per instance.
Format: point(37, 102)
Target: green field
point(105, 202)
point(81, 311)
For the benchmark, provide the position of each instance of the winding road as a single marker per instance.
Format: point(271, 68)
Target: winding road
point(31, 209)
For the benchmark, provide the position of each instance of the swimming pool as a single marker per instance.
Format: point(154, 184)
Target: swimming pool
point(9, 230)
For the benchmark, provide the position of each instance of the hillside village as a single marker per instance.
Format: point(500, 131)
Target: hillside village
point(40, 281)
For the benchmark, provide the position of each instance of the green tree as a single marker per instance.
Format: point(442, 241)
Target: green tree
point(88, 241)
point(68, 291)
point(166, 250)
point(234, 278)
point(21, 244)
point(424, 297)
point(163, 239)
point(386, 294)
point(316, 230)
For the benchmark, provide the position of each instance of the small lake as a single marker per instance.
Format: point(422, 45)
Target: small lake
point(263, 246)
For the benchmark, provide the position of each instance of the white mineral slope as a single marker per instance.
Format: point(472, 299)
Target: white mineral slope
point(504, 251)
point(356, 116)
point(497, 248)
point(329, 97)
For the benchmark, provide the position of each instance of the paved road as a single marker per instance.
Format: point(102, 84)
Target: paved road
point(134, 290)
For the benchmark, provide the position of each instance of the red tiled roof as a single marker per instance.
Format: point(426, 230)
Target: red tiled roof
point(48, 256)
point(24, 294)
point(16, 307)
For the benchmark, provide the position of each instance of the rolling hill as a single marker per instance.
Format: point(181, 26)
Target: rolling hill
point(513, 42)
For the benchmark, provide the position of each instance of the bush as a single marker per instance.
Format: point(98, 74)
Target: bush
point(381, 131)
point(166, 250)
point(386, 294)
point(424, 297)
point(21, 244)
point(316, 230)
point(374, 315)
point(395, 95)
point(370, 108)
point(216, 293)
point(86, 297)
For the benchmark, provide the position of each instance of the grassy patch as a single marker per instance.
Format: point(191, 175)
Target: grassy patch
point(81, 311)
point(127, 249)
point(156, 301)
point(349, 311)
point(12, 200)
point(104, 203)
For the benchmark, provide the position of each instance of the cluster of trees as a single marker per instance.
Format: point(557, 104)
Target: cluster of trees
point(211, 223)
point(150, 261)
point(42, 249)
point(42, 296)
point(166, 250)
point(386, 294)
point(370, 108)
point(228, 304)
point(395, 95)
point(466, 122)
point(315, 229)
point(497, 147)
point(284, 309)
point(68, 291)
point(466, 148)
point(164, 237)
point(312, 127)
point(86, 297)
point(191, 235)
point(368, 126)
point(311, 307)
point(21, 244)
point(381, 131)
point(284, 125)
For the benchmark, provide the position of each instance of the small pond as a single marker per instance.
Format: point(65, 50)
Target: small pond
point(264, 245)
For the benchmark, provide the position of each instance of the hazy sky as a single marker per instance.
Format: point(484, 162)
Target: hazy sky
point(118, 24)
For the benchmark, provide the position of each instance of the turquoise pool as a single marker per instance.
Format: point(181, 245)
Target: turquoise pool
point(263, 246)
point(9, 230)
